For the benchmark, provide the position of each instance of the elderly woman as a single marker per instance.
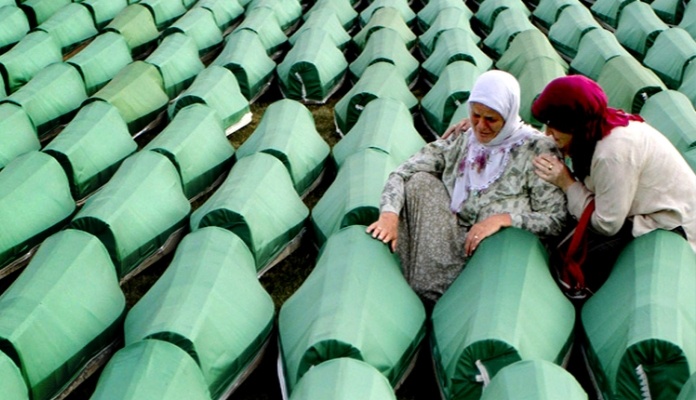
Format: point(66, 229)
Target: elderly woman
point(439, 205)
point(627, 178)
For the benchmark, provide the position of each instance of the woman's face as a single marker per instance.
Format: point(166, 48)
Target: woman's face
point(485, 122)
point(562, 139)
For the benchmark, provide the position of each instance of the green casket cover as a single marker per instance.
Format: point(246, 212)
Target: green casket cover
point(454, 18)
point(385, 17)
point(225, 12)
point(245, 56)
point(454, 45)
point(164, 11)
point(533, 79)
point(217, 88)
point(210, 304)
point(91, 147)
point(688, 21)
point(287, 131)
point(427, 15)
point(177, 60)
point(151, 369)
point(509, 23)
point(385, 125)
point(288, 12)
point(343, 379)
point(265, 24)
point(39, 11)
point(13, 385)
point(641, 324)
point(402, 6)
point(258, 203)
point(198, 24)
point(672, 113)
point(460, 113)
point(63, 309)
point(489, 11)
point(670, 11)
point(196, 144)
point(533, 379)
point(688, 391)
point(353, 197)
point(14, 25)
point(380, 80)
point(608, 11)
point(17, 133)
point(70, 25)
point(35, 202)
point(526, 47)
point(573, 22)
point(504, 307)
point(137, 91)
point(638, 26)
point(596, 48)
point(628, 83)
point(688, 85)
point(547, 11)
point(386, 45)
point(343, 9)
point(673, 49)
point(324, 19)
point(101, 60)
point(355, 303)
point(104, 11)
point(137, 25)
point(313, 69)
point(137, 210)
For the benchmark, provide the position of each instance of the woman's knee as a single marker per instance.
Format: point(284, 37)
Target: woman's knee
point(424, 181)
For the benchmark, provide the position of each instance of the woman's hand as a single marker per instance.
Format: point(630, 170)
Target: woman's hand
point(386, 229)
point(457, 128)
point(549, 168)
point(484, 229)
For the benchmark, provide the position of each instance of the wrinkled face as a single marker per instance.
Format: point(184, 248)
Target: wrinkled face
point(562, 139)
point(485, 122)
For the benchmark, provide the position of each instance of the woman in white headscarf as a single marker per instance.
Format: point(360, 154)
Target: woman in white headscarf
point(439, 205)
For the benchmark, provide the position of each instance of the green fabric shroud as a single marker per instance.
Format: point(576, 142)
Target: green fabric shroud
point(460, 113)
point(246, 57)
point(688, 391)
point(385, 125)
point(670, 11)
point(688, 21)
point(547, 11)
point(573, 22)
point(70, 26)
point(225, 12)
point(537, 73)
point(343, 9)
point(628, 84)
point(177, 60)
point(164, 11)
point(104, 11)
point(671, 113)
point(533, 379)
point(258, 203)
point(52, 96)
point(509, 23)
point(326, 20)
point(454, 45)
point(91, 147)
point(39, 11)
point(17, 133)
point(217, 88)
point(13, 386)
point(353, 197)
point(355, 303)
point(14, 25)
point(287, 131)
point(596, 47)
point(638, 27)
point(386, 45)
point(151, 369)
point(34, 52)
point(101, 60)
point(489, 11)
point(385, 17)
point(525, 48)
point(427, 15)
point(380, 80)
point(401, 5)
point(608, 11)
point(673, 50)
point(264, 23)
point(504, 307)
point(641, 324)
point(450, 19)
point(137, 91)
point(35, 201)
point(313, 69)
point(137, 25)
point(210, 304)
point(450, 91)
point(343, 379)
point(288, 12)
point(196, 144)
point(136, 211)
point(198, 24)
point(53, 322)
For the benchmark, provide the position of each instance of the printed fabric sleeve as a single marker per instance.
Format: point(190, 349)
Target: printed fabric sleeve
point(548, 213)
point(430, 158)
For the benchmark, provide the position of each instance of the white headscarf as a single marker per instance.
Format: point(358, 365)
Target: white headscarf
point(485, 163)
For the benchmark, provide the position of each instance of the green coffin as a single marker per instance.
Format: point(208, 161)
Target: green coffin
point(63, 309)
point(489, 11)
point(287, 12)
point(39, 11)
point(533, 79)
point(17, 133)
point(533, 379)
point(402, 6)
point(596, 48)
point(343, 9)
point(136, 211)
point(198, 24)
point(385, 125)
point(287, 131)
point(454, 45)
point(353, 197)
point(526, 47)
point(343, 379)
point(355, 303)
point(91, 147)
point(453, 18)
point(13, 385)
point(137, 25)
point(547, 11)
point(628, 83)
point(386, 45)
point(151, 369)
point(573, 22)
point(504, 307)
point(673, 50)
point(177, 60)
point(671, 113)
point(70, 26)
point(638, 26)
point(210, 304)
point(509, 23)
point(670, 11)
point(386, 17)
point(195, 142)
point(101, 60)
point(35, 202)
point(23, 61)
point(263, 22)
point(14, 25)
point(608, 11)
point(164, 11)
point(325, 20)
point(225, 12)
point(688, 391)
point(103, 11)
point(258, 203)
point(641, 324)
point(427, 15)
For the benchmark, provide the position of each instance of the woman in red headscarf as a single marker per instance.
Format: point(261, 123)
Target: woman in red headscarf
point(626, 177)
